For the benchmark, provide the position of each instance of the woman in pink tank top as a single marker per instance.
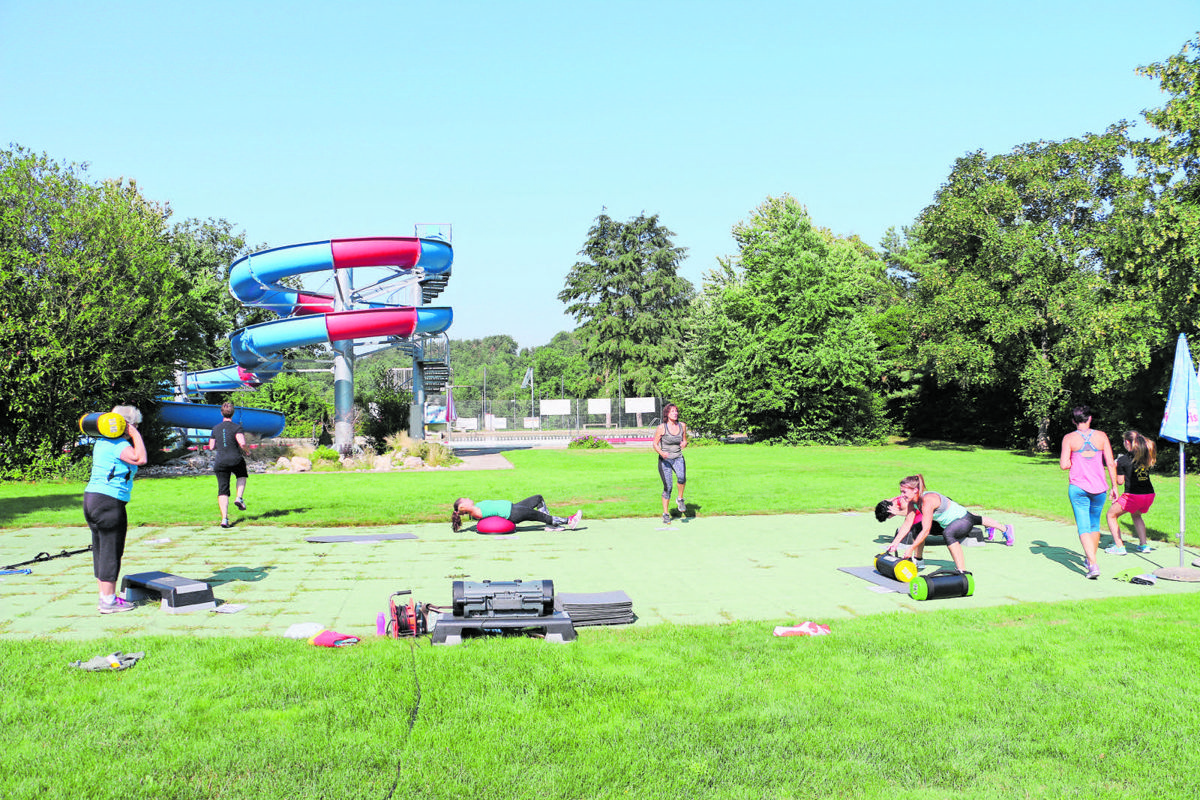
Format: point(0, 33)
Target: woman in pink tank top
point(1088, 455)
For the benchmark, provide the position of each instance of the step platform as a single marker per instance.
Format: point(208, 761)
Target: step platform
point(178, 595)
point(449, 630)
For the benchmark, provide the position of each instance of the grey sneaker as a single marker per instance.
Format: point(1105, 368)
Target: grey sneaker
point(240, 503)
point(666, 518)
point(118, 605)
point(1093, 571)
point(1116, 550)
point(682, 506)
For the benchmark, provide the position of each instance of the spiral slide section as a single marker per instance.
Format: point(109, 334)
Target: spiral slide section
point(309, 318)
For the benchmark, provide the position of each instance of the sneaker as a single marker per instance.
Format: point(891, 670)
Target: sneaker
point(682, 506)
point(918, 563)
point(1010, 538)
point(989, 534)
point(1116, 550)
point(240, 503)
point(1093, 572)
point(554, 528)
point(1145, 548)
point(226, 524)
point(575, 518)
point(666, 518)
point(118, 605)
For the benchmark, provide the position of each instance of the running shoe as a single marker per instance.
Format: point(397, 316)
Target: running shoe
point(918, 563)
point(1116, 550)
point(1093, 572)
point(554, 528)
point(682, 506)
point(989, 534)
point(666, 518)
point(240, 503)
point(1010, 538)
point(1145, 548)
point(575, 518)
point(226, 523)
point(118, 605)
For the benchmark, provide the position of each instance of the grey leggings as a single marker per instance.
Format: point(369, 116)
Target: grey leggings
point(959, 529)
point(668, 468)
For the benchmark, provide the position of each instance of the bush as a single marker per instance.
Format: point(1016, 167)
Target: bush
point(589, 442)
point(324, 454)
point(438, 455)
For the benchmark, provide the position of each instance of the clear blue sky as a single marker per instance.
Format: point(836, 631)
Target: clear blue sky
point(518, 122)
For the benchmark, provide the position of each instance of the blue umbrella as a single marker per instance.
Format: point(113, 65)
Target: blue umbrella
point(1181, 418)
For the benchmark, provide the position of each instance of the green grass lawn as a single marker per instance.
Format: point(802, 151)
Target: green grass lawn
point(728, 480)
point(1077, 699)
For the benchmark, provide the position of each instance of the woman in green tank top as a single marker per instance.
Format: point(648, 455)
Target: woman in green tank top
point(531, 508)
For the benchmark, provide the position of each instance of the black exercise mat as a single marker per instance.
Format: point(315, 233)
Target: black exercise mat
point(596, 608)
point(362, 537)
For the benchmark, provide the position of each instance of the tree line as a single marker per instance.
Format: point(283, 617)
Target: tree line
point(1056, 274)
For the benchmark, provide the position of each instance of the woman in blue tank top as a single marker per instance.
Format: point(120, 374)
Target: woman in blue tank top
point(114, 463)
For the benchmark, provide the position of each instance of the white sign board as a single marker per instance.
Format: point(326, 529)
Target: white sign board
point(600, 405)
point(467, 423)
point(639, 405)
point(551, 407)
point(533, 422)
point(495, 423)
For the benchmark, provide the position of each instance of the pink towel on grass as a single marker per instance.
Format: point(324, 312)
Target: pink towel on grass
point(332, 639)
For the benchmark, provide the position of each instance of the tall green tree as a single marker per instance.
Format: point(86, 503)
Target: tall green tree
point(204, 251)
point(781, 344)
point(1012, 267)
point(1163, 248)
point(91, 303)
point(629, 301)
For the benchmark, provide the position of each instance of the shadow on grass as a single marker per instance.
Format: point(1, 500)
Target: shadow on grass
point(937, 444)
point(1070, 559)
point(279, 512)
point(13, 508)
point(233, 574)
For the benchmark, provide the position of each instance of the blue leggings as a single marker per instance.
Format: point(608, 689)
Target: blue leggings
point(668, 468)
point(1087, 508)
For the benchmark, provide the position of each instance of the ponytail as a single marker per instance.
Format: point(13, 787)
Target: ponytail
point(1144, 453)
point(455, 517)
point(917, 480)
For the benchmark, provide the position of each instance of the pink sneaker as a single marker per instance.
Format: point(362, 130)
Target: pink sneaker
point(575, 518)
point(1010, 538)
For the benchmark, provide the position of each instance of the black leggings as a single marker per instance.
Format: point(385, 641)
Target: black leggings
point(106, 517)
point(533, 508)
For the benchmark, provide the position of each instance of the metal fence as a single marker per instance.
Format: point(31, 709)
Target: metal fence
point(575, 415)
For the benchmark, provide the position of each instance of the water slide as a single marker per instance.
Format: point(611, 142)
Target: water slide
point(308, 318)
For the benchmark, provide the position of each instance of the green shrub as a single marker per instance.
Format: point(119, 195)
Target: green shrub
point(440, 456)
point(702, 441)
point(322, 454)
point(589, 442)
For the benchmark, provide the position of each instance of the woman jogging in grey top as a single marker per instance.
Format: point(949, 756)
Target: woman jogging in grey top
point(669, 440)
